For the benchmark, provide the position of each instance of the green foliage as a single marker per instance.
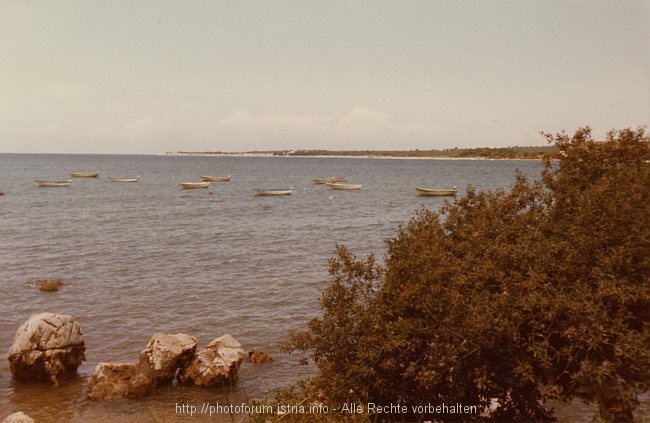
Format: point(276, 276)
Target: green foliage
point(526, 152)
point(541, 291)
point(459, 153)
point(339, 340)
point(306, 395)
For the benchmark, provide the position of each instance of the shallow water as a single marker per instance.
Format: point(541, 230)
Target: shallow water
point(147, 257)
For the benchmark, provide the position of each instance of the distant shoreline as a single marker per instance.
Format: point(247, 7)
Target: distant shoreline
point(342, 156)
point(505, 153)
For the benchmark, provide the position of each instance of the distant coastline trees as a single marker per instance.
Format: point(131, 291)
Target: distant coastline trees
point(538, 292)
point(457, 153)
point(521, 153)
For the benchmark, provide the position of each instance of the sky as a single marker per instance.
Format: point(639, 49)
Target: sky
point(148, 77)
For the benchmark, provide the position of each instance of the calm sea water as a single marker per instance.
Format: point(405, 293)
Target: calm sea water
point(147, 257)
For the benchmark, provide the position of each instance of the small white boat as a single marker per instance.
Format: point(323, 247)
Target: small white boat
point(52, 184)
point(112, 179)
point(318, 181)
point(334, 179)
point(284, 191)
point(436, 192)
point(215, 178)
point(84, 174)
point(194, 185)
point(339, 185)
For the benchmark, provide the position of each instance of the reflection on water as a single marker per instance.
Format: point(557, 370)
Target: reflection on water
point(68, 404)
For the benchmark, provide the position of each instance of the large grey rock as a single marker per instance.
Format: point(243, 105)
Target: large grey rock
point(18, 417)
point(119, 380)
point(48, 346)
point(165, 354)
point(216, 365)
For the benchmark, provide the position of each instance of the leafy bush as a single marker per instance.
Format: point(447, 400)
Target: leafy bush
point(541, 291)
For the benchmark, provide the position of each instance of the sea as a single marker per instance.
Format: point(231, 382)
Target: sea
point(147, 257)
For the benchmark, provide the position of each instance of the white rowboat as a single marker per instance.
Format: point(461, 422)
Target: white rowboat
point(334, 179)
point(195, 185)
point(348, 187)
point(286, 191)
point(136, 179)
point(436, 192)
point(84, 174)
point(53, 184)
point(215, 178)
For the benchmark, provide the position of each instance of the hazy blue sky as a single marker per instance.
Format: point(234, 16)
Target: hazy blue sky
point(117, 76)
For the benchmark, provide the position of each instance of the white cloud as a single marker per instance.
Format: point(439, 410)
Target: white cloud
point(71, 91)
point(156, 135)
point(361, 128)
point(148, 125)
point(53, 127)
point(367, 121)
point(278, 122)
point(360, 120)
point(364, 120)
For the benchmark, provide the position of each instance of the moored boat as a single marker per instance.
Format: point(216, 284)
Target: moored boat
point(52, 184)
point(194, 185)
point(334, 179)
point(436, 192)
point(283, 191)
point(112, 179)
point(318, 181)
point(84, 174)
point(215, 178)
point(341, 186)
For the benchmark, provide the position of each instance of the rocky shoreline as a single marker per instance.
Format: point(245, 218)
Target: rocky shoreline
point(50, 347)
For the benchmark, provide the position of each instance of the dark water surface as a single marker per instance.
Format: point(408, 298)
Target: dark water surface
point(147, 257)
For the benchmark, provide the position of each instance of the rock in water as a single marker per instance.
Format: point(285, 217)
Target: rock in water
point(112, 381)
point(158, 363)
point(18, 417)
point(49, 285)
point(165, 354)
point(48, 346)
point(216, 365)
point(258, 356)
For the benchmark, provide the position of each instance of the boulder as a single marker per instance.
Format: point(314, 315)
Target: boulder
point(216, 365)
point(49, 285)
point(158, 363)
point(256, 356)
point(119, 380)
point(165, 354)
point(48, 346)
point(18, 417)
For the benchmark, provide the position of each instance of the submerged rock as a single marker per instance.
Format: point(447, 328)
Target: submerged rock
point(18, 417)
point(216, 365)
point(119, 380)
point(165, 354)
point(257, 356)
point(47, 346)
point(49, 285)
